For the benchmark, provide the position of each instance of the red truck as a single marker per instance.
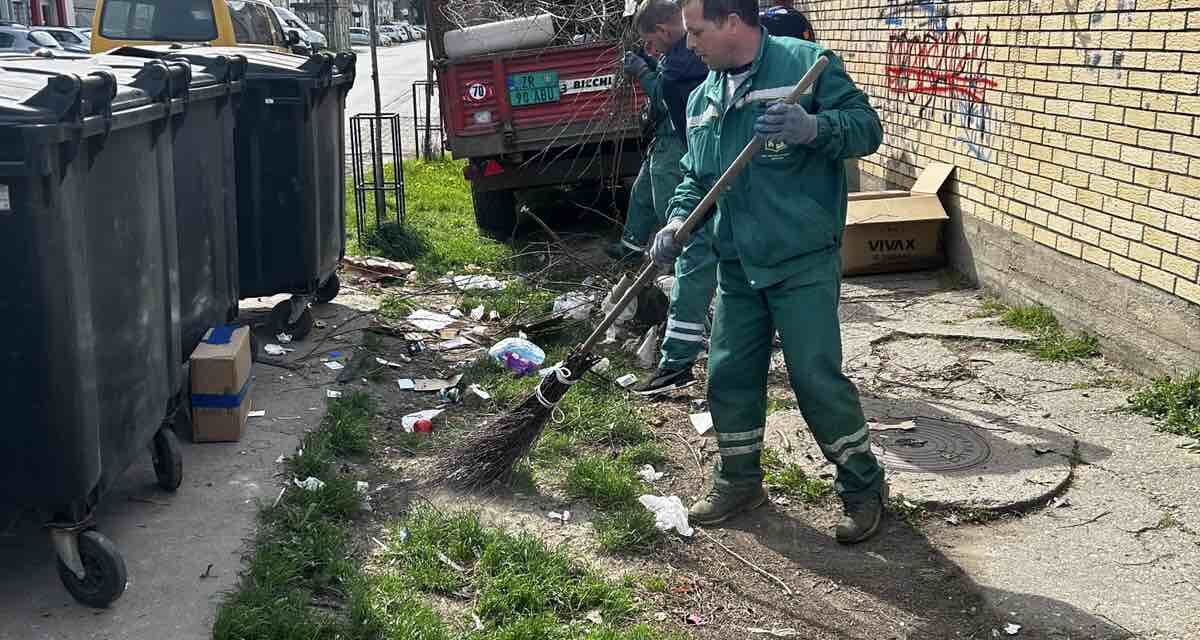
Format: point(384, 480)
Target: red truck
point(560, 114)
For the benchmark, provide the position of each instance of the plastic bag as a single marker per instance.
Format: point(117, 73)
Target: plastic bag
point(614, 296)
point(518, 355)
point(576, 305)
point(668, 513)
point(647, 352)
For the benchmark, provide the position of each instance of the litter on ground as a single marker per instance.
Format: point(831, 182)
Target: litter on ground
point(669, 513)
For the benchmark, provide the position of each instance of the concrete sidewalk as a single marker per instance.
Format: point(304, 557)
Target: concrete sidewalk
point(169, 540)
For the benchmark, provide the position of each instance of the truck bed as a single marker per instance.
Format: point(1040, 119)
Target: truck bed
point(529, 101)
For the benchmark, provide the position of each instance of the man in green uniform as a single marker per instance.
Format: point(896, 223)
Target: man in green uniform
point(778, 235)
point(660, 24)
point(659, 174)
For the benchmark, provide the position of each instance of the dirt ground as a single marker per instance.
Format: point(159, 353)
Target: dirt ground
point(1092, 555)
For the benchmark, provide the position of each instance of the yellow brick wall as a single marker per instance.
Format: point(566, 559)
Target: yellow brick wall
point(1075, 123)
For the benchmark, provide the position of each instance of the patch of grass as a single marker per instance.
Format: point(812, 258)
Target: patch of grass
point(651, 583)
point(1175, 404)
point(1051, 342)
point(348, 424)
point(313, 458)
point(387, 606)
point(439, 234)
point(908, 510)
point(604, 482)
point(396, 241)
point(613, 488)
point(394, 306)
point(629, 528)
point(775, 405)
point(1167, 521)
point(553, 447)
point(522, 588)
point(517, 298)
point(790, 479)
point(1100, 383)
point(522, 577)
point(645, 453)
point(991, 306)
point(600, 414)
point(302, 547)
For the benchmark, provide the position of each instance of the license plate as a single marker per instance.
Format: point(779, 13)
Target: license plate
point(533, 88)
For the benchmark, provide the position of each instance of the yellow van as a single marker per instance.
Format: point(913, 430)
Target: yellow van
point(119, 23)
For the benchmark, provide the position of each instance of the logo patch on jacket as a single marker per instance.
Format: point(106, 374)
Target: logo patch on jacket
point(775, 149)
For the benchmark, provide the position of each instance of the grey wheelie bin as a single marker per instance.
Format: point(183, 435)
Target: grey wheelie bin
point(292, 180)
point(203, 127)
point(91, 351)
point(291, 175)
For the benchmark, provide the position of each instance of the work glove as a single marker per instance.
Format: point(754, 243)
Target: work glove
point(634, 65)
point(666, 249)
point(788, 123)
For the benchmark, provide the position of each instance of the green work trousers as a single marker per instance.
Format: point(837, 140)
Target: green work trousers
point(691, 296)
point(656, 180)
point(804, 309)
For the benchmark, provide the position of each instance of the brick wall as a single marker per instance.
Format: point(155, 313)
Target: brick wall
point(1073, 123)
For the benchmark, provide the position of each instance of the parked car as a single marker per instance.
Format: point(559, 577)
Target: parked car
point(313, 39)
point(70, 39)
point(21, 39)
point(360, 37)
point(394, 33)
point(222, 23)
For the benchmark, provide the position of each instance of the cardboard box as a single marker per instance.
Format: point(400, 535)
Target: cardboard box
point(889, 231)
point(221, 385)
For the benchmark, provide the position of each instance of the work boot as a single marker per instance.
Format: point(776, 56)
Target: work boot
point(723, 503)
point(665, 380)
point(862, 516)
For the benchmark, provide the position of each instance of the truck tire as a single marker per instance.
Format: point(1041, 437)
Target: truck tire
point(495, 213)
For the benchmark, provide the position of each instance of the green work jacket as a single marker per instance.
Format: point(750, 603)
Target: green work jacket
point(784, 214)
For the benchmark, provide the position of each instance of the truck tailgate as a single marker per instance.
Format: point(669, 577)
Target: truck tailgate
point(561, 92)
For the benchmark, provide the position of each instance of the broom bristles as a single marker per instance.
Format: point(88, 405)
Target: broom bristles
point(488, 456)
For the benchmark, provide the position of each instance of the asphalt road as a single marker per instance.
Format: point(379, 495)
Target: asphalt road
point(399, 67)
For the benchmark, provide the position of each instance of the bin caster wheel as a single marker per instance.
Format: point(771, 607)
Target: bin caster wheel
point(329, 290)
point(279, 321)
point(168, 459)
point(104, 572)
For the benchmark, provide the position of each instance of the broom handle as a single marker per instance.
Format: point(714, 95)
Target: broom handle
point(701, 211)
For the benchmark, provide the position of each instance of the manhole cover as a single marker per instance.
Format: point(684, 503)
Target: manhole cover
point(929, 446)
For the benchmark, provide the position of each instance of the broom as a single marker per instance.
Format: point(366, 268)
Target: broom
point(488, 456)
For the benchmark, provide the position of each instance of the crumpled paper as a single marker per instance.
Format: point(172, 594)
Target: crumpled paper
point(648, 473)
point(669, 513)
point(309, 484)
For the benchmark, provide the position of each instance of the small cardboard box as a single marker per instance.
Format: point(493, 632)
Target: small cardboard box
point(888, 231)
point(220, 385)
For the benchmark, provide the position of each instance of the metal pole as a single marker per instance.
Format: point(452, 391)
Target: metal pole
point(376, 137)
point(428, 93)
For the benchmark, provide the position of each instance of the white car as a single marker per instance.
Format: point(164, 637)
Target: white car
point(315, 40)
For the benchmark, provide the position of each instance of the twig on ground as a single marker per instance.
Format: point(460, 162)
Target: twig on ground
point(753, 566)
point(695, 456)
point(1086, 522)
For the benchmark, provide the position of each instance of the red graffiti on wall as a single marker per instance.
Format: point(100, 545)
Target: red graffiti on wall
point(946, 63)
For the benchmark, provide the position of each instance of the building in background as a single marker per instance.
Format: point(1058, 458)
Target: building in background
point(331, 17)
point(57, 13)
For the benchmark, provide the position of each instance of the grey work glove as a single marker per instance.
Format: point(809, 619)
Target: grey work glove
point(788, 123)
point(634, 65)
point(665, 249)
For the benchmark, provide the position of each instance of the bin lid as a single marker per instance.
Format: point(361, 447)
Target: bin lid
point(261, 64)
point(38, 90)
